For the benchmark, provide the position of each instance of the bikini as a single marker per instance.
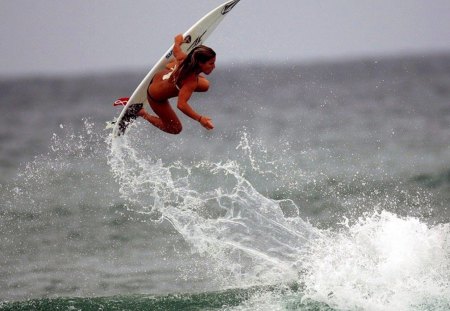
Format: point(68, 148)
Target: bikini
point(150, 98)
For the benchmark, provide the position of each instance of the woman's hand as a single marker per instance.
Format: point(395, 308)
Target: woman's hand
point(179, 39)
point(206, 122)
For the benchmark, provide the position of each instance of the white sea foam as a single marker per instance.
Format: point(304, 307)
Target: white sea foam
point(379, 262)
point(217, 210)
point(382, 262)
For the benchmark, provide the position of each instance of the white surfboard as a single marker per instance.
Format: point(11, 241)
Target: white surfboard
point(195, 36)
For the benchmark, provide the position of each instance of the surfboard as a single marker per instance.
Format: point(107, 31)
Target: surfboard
point(193, 37)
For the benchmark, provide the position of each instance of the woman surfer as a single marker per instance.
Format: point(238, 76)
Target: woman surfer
point(181, 78)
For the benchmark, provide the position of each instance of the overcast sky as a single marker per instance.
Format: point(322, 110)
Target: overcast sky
point(79, 36)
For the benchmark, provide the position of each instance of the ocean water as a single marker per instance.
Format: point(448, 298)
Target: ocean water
point(322, 187)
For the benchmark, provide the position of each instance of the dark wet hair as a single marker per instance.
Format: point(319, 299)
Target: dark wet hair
point(200, 54)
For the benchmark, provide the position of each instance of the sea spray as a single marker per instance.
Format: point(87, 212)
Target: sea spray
point(49, 179)
point(380, 262)
point(218, 211)
point(249, 237)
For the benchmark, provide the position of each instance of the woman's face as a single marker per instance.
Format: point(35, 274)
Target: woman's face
point(208, 66)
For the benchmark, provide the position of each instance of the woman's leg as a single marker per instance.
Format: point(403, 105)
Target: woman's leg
point(166, 119)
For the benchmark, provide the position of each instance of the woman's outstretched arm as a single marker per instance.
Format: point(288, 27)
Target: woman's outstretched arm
point(184, 95)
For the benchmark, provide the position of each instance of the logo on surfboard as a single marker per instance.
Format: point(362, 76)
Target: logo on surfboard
point(229, 6)
point(197, 41)
point(188, 39)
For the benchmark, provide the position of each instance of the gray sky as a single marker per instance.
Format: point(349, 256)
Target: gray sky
point(78, 36)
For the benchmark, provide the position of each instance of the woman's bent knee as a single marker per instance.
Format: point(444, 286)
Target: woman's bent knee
point(174, 129)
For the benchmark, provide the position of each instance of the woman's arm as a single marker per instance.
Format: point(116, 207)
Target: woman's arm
point(189, 85)
point(177, 51)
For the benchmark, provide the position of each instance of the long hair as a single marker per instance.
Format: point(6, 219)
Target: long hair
point(190, 64)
